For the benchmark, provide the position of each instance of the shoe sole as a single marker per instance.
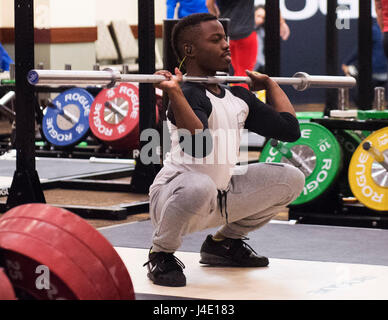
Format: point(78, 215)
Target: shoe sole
point(164, 284)
point(211, 259)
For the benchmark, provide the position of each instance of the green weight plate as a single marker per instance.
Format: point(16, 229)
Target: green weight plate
point(306, 116)
point(83, 144)
point(39, 144)
point(7, 82)
point(320, 159)
point(349, 141)
point(363, 134)
point(372, 114)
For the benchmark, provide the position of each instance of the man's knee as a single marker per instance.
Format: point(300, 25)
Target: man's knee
point(197, 191)
point(295, 179)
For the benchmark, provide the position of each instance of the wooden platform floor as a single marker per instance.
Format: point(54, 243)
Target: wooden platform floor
point(282, 280)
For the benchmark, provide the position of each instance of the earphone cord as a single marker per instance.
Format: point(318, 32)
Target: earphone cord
point(180, 65)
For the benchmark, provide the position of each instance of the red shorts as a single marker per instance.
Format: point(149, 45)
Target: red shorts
point(243, 52)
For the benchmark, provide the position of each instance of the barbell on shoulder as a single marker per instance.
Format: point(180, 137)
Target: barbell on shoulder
point(300, 81)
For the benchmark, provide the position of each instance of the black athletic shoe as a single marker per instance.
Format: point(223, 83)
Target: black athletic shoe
point(230, 253)
point(165, 269)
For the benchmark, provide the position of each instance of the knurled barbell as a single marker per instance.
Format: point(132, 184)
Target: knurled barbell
point(300, 81)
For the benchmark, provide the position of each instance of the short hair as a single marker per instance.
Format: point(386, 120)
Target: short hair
point(186, 25)
point(259, 6)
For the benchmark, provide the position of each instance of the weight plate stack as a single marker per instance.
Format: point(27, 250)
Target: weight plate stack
point(6, 289)
point(80, 263)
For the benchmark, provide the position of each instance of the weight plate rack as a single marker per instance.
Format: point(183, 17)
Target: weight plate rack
point(85, 146)
point(334, 208)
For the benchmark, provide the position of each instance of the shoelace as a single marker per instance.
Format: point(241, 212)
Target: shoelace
point(168, 258)
point(222, 194)
point(247, 245)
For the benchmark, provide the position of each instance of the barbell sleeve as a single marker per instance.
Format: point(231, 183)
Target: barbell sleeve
point(71, 77)
point(115, 108)
point(300, 81)
point(376, 154)
point(296, 160)
point(67, 115)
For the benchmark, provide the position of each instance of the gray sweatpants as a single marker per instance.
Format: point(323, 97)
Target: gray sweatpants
point(190, 202)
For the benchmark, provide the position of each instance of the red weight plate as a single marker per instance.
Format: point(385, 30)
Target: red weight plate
point(71, 247)
point(22, 255)
point(131, 141)
point(87, 234)
point(114, 116)
point(121, 118)
point(128, 143)
point(6, 289)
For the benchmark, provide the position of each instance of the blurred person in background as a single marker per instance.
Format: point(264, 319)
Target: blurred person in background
point(5, 59)
point(185, 7)
point(379, 60)
point(260, 32)
point(242, 34)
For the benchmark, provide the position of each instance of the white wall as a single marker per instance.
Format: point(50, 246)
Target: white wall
point(6, 13)
point(80, 13)
point(72, 13)
point(75, 13)
point(41, 17)
point(108, 10)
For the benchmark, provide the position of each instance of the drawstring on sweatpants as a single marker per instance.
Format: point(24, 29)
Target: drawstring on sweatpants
point(222, 194)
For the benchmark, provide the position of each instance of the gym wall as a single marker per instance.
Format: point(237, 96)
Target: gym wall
point(304, 50)
point(58, 15)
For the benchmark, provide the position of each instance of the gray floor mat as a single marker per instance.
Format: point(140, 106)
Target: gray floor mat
point(282, 241)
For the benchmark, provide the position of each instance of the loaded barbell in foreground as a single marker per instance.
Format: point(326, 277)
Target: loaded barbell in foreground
point(300, 81)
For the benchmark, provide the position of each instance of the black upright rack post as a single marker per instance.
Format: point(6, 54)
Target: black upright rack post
point(25, 186)
point(170, 61)
point(331, 53)
point(144, 175)
point(365, 90)
point(272, 38)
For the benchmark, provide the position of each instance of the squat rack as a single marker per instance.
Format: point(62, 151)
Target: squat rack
point(26, 186)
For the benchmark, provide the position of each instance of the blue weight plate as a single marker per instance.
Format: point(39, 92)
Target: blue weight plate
point(67, 123)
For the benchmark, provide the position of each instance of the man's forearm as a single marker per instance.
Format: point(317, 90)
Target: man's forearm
point(278, 99)
point(185, 118)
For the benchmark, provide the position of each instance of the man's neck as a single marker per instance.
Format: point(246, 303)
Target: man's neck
point(210, 86)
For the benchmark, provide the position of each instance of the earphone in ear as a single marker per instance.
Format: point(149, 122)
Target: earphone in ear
point(188, 49)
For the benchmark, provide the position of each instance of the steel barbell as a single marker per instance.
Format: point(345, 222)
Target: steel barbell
point(300, 81)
